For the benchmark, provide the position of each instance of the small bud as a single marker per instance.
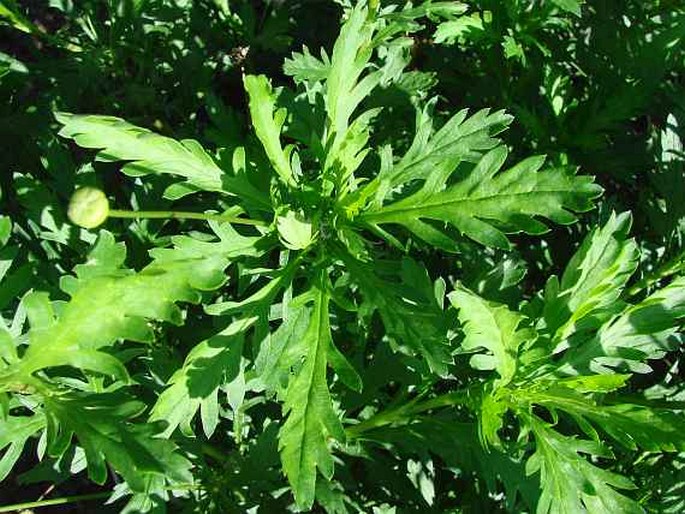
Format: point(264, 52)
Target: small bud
point(88, 207)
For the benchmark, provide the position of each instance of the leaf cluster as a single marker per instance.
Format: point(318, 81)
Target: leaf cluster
point(342, 318)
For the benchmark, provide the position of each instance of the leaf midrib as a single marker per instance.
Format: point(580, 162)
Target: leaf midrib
point(397, 208)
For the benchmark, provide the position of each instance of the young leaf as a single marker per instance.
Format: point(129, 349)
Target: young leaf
point(593, 280)
point(295, 232)
point(346, 141)
point(268, 124)
point(304, 67)
point(493, 327)
point(351, 54)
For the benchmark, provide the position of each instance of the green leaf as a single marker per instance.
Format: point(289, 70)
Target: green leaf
point(209, 365)
point(569, 482)
point(593, 280)
point(304, 67)
point(642, 332)
point(351, 54)
point(311, 419)
point(491, 419)
point(279, 351)
point(268, 125)
point(151, 153)
point(412, 317)
point(7, 253)
point(10, 12)
point(8, 349)
point(295, 232)
point(346, 86)
point(258, 303)
point(14, 432)
point(461, 139)
point(485, 203)
point(345, 371)
point(572, 6)
point(153, 499)
point(110, 303)
point(492, 327)
point(5, 230)
point(351, 79)
point(331, 497)
point(634, 426)
point(592, 383)
point(102, 424)
point(453, 30)
point(457, 443)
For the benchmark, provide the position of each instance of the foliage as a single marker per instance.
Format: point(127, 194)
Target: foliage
point(310, 299)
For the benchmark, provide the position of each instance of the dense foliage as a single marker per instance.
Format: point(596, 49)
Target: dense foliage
point(342, 256)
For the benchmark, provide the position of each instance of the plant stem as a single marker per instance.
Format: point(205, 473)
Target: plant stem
point(405, 413)
point(463, 397)
point(54, 501)
point(78, 498)
point(671, 267)
point(114, 213)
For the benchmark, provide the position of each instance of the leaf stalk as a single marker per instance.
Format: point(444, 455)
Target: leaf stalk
point(188, 215)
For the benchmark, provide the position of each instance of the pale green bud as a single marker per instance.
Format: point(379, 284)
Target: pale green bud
point(88, 207)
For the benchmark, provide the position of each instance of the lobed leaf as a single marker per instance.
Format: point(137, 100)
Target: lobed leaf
point(268, 122)
point(14, 432)
point(492, 327)
point(411, 313)
point(485, 204)
point(195, 386)
point(593, 281)
point(634, 426)
point(642, 332)
point(110, 303)
point(102, 424)
point(311, 419)
point(304, 67)
point(462, 139)
point(151, 153)
point(569, 482)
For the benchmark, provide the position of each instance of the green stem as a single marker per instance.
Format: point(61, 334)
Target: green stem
point(185, 215)
point(406, 412)
point(54, 501)
point(463, 397)
point(78, 498)
point(675, 265)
